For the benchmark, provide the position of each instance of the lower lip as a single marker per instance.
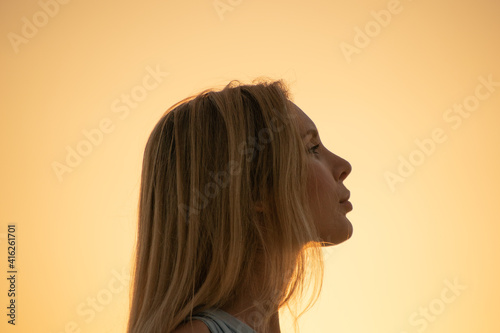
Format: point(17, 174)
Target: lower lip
point(347, 204)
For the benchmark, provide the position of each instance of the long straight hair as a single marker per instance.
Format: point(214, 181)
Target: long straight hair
point(211, 159)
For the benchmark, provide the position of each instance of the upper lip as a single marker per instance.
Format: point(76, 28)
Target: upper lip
point(346, 197)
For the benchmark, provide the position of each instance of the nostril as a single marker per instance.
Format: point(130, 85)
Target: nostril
point(343, 175)
point(347, 171)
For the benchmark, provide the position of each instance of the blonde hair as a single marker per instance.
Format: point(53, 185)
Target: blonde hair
point(209, 161)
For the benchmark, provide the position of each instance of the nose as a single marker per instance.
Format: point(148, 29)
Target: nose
point(341, 168)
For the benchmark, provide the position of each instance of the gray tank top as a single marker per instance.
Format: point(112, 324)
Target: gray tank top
point(219, 321)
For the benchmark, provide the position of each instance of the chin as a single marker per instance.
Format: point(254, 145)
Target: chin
point(338, 236)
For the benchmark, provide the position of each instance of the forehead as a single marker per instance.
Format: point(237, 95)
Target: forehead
point(305, 123)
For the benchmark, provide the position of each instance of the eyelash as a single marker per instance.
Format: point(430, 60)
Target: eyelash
point(313, 149)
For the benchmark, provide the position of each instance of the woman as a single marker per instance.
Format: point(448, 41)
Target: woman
point(237, 197)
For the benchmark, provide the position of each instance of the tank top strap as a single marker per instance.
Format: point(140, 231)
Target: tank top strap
point(219, 321)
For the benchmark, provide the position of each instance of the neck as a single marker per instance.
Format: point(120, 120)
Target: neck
point(252, 316)
point(245, 307)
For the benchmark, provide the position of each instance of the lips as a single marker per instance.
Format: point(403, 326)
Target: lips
point(347, 204)
point(346, 197)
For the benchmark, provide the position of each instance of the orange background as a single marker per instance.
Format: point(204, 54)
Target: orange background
point(75, 233)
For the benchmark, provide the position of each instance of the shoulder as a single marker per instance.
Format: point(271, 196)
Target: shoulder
point(197, 326)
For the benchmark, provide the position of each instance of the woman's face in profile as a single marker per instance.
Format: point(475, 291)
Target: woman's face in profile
point(325, 186)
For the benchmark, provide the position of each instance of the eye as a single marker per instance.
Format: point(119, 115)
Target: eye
point(314, 149)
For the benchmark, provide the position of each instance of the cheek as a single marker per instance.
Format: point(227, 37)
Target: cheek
point(326, 210)
point(322, 191)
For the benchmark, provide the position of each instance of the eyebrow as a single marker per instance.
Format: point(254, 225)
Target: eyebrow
point(309, 131)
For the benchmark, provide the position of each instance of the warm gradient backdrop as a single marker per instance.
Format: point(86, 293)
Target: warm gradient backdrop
point(380, 79)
